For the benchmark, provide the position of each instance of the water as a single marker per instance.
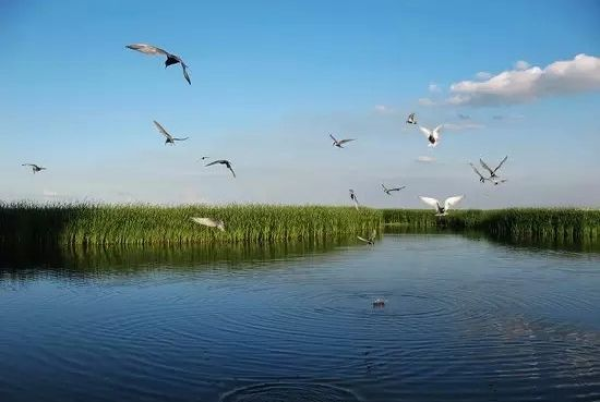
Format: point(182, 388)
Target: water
point(464, 320)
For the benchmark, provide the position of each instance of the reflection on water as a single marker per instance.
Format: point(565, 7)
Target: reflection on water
point(464, 320)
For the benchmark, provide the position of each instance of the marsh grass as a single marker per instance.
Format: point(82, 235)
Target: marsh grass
point(558, 225)
point(147, 224)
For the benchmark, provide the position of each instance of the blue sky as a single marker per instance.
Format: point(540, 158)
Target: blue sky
point(271, 80)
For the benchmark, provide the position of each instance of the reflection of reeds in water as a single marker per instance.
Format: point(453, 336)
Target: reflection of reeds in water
point(558, 227)
point(99, 260)
point(145, 224)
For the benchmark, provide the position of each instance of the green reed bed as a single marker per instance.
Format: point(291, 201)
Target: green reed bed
point(147, 224)
point(516, 224)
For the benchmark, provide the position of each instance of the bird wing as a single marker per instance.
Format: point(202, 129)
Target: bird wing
point(333, 138)
point(384, 187)
point(162, 130)
point(477, 171)
point(373, 234)
point(341, 142)
point(397, 188)
point(205, 221)
point(186, 74)
point(362, 239)
point(180, 139)
point(30, 164)
point(425, 131)
point(411, 118)
point(451, 201)
point(430, 201)
point(148, 49)
point(215, 162)
point(437, 131)
point(231, 169)
point(485, 166)
point(501, 163)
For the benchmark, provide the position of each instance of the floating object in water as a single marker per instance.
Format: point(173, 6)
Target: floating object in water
point(379, 303)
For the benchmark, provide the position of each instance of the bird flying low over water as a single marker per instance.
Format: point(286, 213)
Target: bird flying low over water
point(340, 143)
point(481, 178)
point(412, 119)
point(354, 199)
point(493, 171)
point(223, 162)
point(169, 138)
point(156, 51)
point(388, 191)
point(442, 210)
point(370, 240)
point(35, 168)
point(432, 136)
point(211, 223)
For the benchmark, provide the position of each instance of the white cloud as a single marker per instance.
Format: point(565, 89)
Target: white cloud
point(582, 74)
point(483, 75)
point(426, 102)
point(434, 88)
point(425, 159)
point(383, 109)
point(463, 125)
point(521, 65)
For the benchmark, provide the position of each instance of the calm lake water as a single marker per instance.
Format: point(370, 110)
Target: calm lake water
point(464, 320)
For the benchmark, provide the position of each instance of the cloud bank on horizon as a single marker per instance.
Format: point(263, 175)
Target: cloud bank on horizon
point(525, 83)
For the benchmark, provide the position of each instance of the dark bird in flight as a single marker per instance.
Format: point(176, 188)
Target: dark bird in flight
point(493, 171)
point(35, 168)
point(156, 51)
point(340, 143)
point(169, 138)
point(223, 162)
point(481, 178)
point(388, 191)
point(354, 199)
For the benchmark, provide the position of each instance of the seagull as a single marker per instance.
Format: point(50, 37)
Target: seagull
point(156, 51)
point(340, 142)
point(353, 198)
point(442, 210)
point(432, 136)
point(370, 240)
point(412, 119)
point(170, 139)
point(481, 178)
point(492, 172)
point(388, 191)
point(211, 223)
point(223, 162)
point(35, 168)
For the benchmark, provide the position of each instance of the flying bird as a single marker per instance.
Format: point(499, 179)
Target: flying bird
point(492, 171)
point(442, 210)
point(412, 119)
point(340, 143)
point(204, 158)
point(432, 136)
point(169, 138)
point(35, 168)
point(496, 182)
point(370, 240)
point(354, 199)
point(223, 162)
point(211, 223)
point(388, 191)
point(156, 51)
point(481, 178)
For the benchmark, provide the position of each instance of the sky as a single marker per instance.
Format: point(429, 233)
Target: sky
point(272, 79)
